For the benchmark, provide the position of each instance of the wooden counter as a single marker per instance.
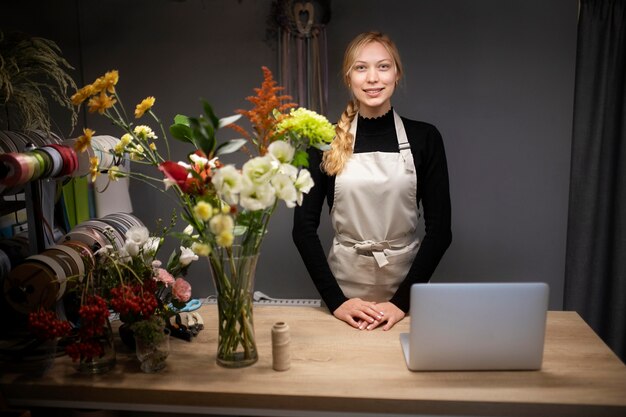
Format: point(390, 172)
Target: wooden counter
point(338, 370)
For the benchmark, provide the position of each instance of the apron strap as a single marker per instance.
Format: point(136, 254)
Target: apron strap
point(403, 144)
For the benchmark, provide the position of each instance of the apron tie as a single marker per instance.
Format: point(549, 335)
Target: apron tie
point(377, 249)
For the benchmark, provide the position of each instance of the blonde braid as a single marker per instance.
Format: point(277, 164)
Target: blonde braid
point(341, 147)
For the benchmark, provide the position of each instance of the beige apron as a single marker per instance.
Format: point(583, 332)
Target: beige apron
point(375, 219)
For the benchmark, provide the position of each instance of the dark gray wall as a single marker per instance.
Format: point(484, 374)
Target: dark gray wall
point(496, 77)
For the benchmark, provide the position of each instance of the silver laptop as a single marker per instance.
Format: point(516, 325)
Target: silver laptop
point(476, 326)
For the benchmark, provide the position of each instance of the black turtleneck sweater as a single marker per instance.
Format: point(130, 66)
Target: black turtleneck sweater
point(379, 135)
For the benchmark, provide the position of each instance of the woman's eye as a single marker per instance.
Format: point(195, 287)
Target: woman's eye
point(385, 66)
point(360, 67)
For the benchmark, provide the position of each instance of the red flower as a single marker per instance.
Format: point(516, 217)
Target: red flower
point(175, 172)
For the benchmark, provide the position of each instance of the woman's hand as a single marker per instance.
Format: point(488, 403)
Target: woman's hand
point(389, 313)
point(358, 313)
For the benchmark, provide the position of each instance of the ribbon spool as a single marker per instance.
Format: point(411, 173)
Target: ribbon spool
point(32, 285)
point(281, 358)
point(50, 161)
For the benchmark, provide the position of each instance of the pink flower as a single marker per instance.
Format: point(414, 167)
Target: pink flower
point(163, 276)
point(181, 290)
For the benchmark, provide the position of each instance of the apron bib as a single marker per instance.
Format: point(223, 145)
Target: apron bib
point(375, 220)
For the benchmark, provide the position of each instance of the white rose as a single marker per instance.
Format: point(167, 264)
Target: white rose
point(289, 170)
point(303, 184)
point(257, 197)
point(259, 170)
point(285, 189)
point(228, 182)
point(282, 151)
point(186, 256)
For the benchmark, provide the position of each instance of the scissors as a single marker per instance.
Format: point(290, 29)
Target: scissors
point(190, 306)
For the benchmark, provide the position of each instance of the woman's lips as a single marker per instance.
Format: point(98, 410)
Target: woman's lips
point(373, 92)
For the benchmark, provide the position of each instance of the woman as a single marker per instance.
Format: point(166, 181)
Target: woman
point(379, 168)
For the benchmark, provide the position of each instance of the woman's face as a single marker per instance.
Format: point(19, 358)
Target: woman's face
point(373, 80)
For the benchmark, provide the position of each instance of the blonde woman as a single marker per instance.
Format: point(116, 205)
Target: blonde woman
point(379, 169)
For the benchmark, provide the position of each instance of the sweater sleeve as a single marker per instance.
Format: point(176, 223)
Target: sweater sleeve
point(433, 186)
point(304, 233)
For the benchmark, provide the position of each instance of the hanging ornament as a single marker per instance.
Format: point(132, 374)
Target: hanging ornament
point(302, 51)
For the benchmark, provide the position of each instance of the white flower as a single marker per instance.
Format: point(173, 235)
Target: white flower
point(188, 230)
point(228, 183)
point(221, 223)
point(123, 255)
point(138, 235)
point(257, 197)
point(131, 248)
point(186, 256)
point(156, 264)
point(259, 170)
point(151, 246)
point(285, 189)
point(105, 250)
point(282, 151)
point(289, 170)
point(168, 182)
point(303, 184)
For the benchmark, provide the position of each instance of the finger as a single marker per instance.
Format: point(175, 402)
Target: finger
point(390, 323)
point(348, 319)
point(373, 325)
point(375, 313)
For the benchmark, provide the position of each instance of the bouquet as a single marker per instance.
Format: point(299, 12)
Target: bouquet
point(227, 209)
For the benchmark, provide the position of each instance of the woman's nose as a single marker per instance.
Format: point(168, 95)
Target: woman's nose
point(372, 75)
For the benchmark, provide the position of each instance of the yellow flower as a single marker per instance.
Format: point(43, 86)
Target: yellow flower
point(144, 106)
point(225, 239)
point(93, 168)
point(100, 103)
point(203, 210)
point(107, 82)
point(201, 249)
point(152, 146)
point(115, 174)
point(83, 94)
point(84, 140)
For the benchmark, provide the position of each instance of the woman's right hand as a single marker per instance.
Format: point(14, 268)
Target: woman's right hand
point(358, 313)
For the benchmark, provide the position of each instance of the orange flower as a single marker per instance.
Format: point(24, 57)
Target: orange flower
point(144, 106)
point(83, 94)
point(262, 117)
point(84, 140)
point(107, 82)
point(100, 103)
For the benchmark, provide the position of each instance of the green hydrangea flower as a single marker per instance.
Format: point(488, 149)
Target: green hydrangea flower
point(308, 126)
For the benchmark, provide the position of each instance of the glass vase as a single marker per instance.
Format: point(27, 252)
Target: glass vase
point(152, 353)
point(233, 275)
point(105, 360)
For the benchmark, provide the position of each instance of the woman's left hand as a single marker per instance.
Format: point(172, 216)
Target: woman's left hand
point(391, 315)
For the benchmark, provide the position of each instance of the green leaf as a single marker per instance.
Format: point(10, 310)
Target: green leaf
point(225, 121)
point(203, 135)
point(300, 159)
point(208, 110)
point(239, 230)
point(230, 146)
point(181, 119)
point(181, 132)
